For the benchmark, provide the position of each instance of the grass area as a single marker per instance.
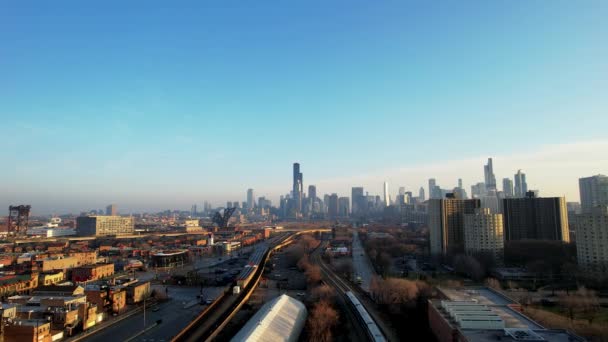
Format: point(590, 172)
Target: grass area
point(600, 316)
point(598, 331)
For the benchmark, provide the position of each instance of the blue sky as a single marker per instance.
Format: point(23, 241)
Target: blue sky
point(154, 105)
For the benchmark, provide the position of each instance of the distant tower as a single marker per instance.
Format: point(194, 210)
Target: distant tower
point(593, 191)
point(507, 187)
point(459, 183)
point(111, 210)
point(298, 188)
point(18, 219)
point(490, 179)
point(521, 187)
point(387, 200)
point(421, 196)
point(250, 199)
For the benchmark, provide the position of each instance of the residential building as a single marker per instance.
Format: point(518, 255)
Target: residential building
point(592, 241)
point(593, 191)
point(92, 272)
point(446, 223)
point(26, 330)
point(483, 233)
point(535, 218)
point(51, 278)
point(62, 263)
point(104, 225)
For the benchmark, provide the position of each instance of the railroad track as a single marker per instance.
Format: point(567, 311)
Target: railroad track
point(367, 329)
point(213, 319)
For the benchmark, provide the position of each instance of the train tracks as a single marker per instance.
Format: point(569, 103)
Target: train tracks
point(365, 326)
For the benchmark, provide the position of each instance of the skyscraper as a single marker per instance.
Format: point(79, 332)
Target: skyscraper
point(332, 206)
point(593, 191)
point(343, 206)
point(111, 210)
point(490, 179)
point(535, 218)
point(507, 187)
point(250, 199)
point(298, 188)
point(421, 196)
point(359, 201)
point(446, 223)
point(401, 190)
point(521, 187)
point(312, 193)
point(387, 200)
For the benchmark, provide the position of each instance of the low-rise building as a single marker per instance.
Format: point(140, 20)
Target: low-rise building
point(84, 257)
point(481, 314)
point(137, 292)
point(17, 284)
point(24, 330)
point(92, 272)
point(58, 263)
point(51, 278)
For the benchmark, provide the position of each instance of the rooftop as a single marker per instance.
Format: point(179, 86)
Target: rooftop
point(281, 319)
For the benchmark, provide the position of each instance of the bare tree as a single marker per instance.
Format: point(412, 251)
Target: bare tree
point(323, 293)
point(313, 274)
point(323, 317)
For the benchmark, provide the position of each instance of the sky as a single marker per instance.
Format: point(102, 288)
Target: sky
point(160, 105)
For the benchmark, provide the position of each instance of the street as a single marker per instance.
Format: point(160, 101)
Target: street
point(175, 314)
point(361, 264)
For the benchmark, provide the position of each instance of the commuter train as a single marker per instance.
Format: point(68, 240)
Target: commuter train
point(372, 329)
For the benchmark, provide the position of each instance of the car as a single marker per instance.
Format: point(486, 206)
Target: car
point(155, 308)
point(301, 294)
point(208, 301)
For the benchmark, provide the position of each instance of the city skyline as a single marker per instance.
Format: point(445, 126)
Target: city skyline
point(538, 177)
point(220, 99)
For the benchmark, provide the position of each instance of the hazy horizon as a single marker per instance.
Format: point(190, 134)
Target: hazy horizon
point(161, 107)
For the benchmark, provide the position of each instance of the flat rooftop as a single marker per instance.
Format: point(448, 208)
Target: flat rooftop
point(480, 295)
point(553, 335)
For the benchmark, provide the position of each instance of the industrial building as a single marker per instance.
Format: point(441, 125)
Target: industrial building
point(281, 319)
point(104, 225)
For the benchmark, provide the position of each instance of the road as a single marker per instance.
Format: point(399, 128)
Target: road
point(361, 263)
point(175, 315)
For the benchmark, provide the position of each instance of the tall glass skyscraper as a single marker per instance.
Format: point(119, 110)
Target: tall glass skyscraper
point(298, 188)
